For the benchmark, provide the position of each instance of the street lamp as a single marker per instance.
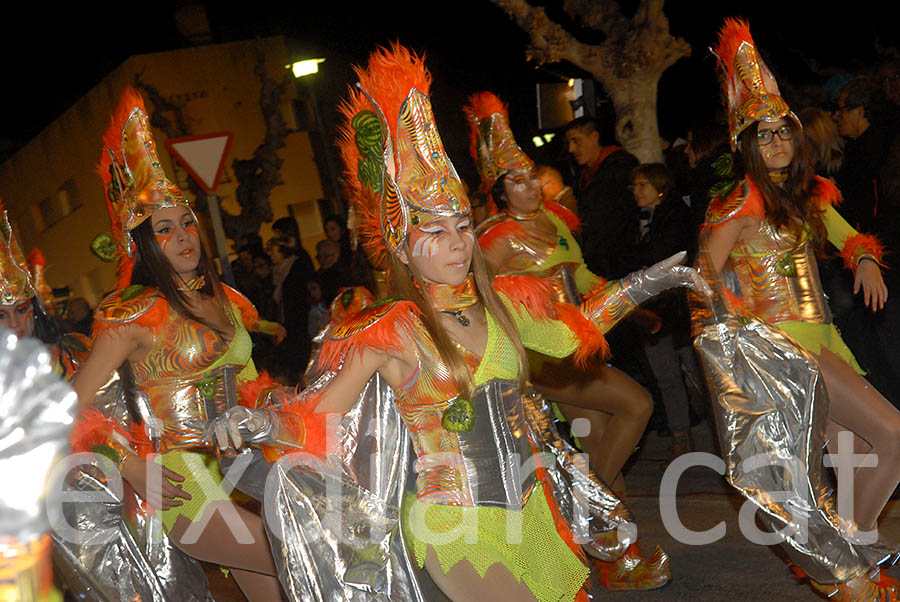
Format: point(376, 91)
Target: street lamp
point(328, 173)
point(307, 67)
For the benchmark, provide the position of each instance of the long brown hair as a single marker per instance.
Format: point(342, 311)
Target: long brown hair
point(403, 279)
point(791, 205)
point(151, 268)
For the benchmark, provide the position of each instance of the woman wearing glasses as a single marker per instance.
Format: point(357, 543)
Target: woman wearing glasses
point(768, 232)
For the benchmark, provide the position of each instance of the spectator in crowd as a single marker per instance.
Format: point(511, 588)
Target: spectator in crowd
point(554, 189)
point(332, 273)
point(290, 273)
point(663, 229)
point(605, 205)
point(710, 161)
point(319, 317)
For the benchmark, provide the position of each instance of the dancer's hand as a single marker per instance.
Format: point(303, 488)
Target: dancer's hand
point(241, 425)
point(162, 492)
point(668, 273)
point(868, 278)
point(280, 334)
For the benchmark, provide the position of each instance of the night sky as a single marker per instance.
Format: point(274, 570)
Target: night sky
point(53, 58)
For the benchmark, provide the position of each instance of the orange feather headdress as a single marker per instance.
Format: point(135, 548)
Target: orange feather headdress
point(492, 145)
point(133, 178)
point(750, 88)
point(398, 173)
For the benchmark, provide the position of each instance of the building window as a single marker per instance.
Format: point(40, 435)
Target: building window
point(56, 207)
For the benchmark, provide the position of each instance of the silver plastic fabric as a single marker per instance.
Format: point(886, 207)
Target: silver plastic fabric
point(36, 409)
point(36, 414)
point(770, 407)
point(108, 548)
point(649, 282)
point(333, 526)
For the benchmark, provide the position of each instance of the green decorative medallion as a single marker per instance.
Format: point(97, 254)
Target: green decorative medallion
point(564, 243)
point(459, 417)
point(785, 266)
point(132, 291)
point(207, 387)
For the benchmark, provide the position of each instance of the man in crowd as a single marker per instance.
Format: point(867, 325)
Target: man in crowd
point(605, 204)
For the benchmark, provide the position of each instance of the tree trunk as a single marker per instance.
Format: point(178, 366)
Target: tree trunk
point(637, 129)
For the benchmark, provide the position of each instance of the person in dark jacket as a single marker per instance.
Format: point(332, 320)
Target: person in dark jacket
point(605, 205)
point(663, 228)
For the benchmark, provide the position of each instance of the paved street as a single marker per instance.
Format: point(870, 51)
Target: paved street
point(731, 569)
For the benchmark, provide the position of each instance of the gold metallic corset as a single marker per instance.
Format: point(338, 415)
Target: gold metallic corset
point(180, 386)
point(779, 277)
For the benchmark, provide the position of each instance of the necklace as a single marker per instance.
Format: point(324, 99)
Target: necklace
point(778, 176)
point(522, 217)
point(453, 300)
point(194, 284)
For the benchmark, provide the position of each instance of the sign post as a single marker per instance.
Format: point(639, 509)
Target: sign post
point(204, 157)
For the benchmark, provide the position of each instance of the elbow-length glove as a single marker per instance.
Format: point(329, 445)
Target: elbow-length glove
point(241, 425)
point(668, 273)
point(616, 299)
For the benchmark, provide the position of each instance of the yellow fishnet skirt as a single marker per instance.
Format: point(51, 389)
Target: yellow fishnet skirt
point(202, 480)
point(813, 337)
point(540, 557)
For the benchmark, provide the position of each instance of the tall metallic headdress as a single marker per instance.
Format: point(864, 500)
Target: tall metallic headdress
point(398, 172)
point(15, 277)
point(750, 87)
point(133, 178)
point(493, 147)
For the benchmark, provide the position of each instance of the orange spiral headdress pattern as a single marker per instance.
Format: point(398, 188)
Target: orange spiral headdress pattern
point(491, 141)
point(397, 170)
point(133, 179)
point(750, 88)
point(15, 277)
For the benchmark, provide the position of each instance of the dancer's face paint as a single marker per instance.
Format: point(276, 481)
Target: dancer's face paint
point(441, 249)
point(778, 153)
point(177, 236)
point(18, 317)
point(523, 191)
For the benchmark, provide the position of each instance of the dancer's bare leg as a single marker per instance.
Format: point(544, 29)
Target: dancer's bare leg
point(859, 407)
point(462, 583)
point(627, 403)
point(250, 563)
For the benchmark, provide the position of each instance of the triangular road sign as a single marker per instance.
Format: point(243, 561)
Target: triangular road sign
point(202, 156)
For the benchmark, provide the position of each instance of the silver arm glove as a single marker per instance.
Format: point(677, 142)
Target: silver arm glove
point(240, 425)
point(649, 282)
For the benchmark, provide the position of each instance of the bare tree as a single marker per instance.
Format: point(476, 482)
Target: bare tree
point(629, 62)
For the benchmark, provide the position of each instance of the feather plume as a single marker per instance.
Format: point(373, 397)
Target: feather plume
point(481, 105)
point(93, 428)
point(389, 332)
point(590, 340)
point(362, 196)
point(36, 258)
point(389, 77)
point(250, 390)
point(733, 33)
point(534, 294)
point(861, 244)
point(112, 147)
point(826, 193)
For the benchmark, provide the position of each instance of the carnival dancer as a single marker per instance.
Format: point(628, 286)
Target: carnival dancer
point(26, 303)
point(178, 337)
point(450, 345)
point(531, 236)
point(765, 235)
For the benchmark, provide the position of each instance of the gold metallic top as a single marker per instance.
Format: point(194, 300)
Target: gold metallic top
point(779, 277)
